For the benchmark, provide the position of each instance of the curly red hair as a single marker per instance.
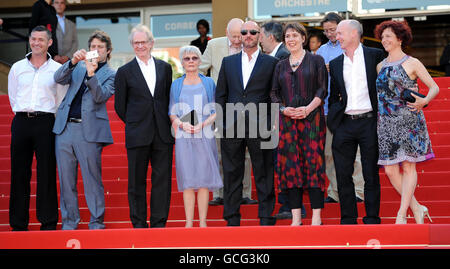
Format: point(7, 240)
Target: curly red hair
point(400, 28)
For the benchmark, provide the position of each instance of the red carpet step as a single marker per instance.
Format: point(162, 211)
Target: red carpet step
point(328, 236)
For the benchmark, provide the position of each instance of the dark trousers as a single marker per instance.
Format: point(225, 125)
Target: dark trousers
point(347, 137)
point(295, 196)
point(31, 136)
point(160, 156)
point(233, 157)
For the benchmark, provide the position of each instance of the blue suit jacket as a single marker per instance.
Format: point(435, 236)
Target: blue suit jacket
point(99, 89)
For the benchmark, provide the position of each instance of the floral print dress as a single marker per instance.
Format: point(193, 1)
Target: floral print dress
point(300, 152)
point(402, 134)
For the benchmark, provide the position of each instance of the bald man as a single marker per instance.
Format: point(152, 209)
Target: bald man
point(216, 50)
point(246, 78)
point(352, 118)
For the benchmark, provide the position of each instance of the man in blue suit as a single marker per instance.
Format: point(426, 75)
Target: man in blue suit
point(82, 130)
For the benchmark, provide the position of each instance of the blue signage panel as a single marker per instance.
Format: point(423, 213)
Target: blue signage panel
point(177, 25)
point(264, 8)
point(396, 4)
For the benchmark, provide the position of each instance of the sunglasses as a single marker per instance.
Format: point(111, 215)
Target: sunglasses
point(188, 59)
point(252, 32)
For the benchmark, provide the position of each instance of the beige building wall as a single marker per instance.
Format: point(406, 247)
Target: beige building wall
point(4, 71)
point(225, 10)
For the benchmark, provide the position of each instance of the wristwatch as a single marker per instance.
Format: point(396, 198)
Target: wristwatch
point(282, 108)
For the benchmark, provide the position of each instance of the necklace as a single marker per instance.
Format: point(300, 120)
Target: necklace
point(296, 64)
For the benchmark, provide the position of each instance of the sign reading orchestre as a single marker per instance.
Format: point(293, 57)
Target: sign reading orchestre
point(264, 8)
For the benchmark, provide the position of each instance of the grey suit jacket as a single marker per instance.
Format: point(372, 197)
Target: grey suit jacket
point(67, 41)
point(99, 89)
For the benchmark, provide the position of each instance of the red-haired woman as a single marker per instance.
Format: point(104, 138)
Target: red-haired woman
point(402, 132)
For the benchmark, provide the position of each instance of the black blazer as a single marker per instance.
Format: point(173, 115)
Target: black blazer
point(282, 52)
point(338, 93)
point(230, 87)
point(137, 108)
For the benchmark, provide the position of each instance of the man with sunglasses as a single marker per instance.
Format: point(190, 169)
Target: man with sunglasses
point(246, 79)
point(216, 50)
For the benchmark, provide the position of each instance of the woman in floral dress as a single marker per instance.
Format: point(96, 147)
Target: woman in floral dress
point(402, 132)
point(300, 84)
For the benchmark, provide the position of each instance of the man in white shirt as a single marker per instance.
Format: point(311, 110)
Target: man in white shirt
point(34, 98)
point(352, 118)
point(142, 90)
point(246, 78)
point(216, 50)
point(329, 51)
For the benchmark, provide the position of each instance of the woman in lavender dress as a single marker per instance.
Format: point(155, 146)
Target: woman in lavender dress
point(197, 165)
point(402, 132)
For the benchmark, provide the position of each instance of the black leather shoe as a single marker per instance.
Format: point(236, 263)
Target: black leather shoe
point(216, 201)
point(284, 215)
point(330, 200)
point(248, 201)
point(267, 221)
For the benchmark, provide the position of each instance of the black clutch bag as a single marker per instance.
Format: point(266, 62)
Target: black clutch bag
point(190, 117)
point(407, 96)
point(298, 101)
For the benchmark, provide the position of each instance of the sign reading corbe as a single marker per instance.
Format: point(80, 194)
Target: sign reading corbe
point(395, 4)
point(177, 25)
point(265, 8)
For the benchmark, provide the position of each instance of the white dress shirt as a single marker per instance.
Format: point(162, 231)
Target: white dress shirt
point(248, 65)
point(32, 89)
point(355, 79)
point(275, 50)
point(149, 72)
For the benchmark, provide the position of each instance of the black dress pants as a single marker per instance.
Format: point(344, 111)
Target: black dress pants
point(160, 156)
point(295, 197)
point(233, 158)
point(29, 136)
point(347, 137)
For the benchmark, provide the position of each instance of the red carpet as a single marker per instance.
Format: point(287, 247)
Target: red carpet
point(433, 191)
point(329, 236)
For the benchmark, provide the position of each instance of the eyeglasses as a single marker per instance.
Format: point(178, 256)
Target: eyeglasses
point(188, 59)
point(252, 32)
point(329, 31)
point(140, 43)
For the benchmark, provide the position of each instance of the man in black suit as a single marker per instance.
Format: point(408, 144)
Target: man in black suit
point(271, 38)
point(245, 79)
point(142, 102)
point(352, 117)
